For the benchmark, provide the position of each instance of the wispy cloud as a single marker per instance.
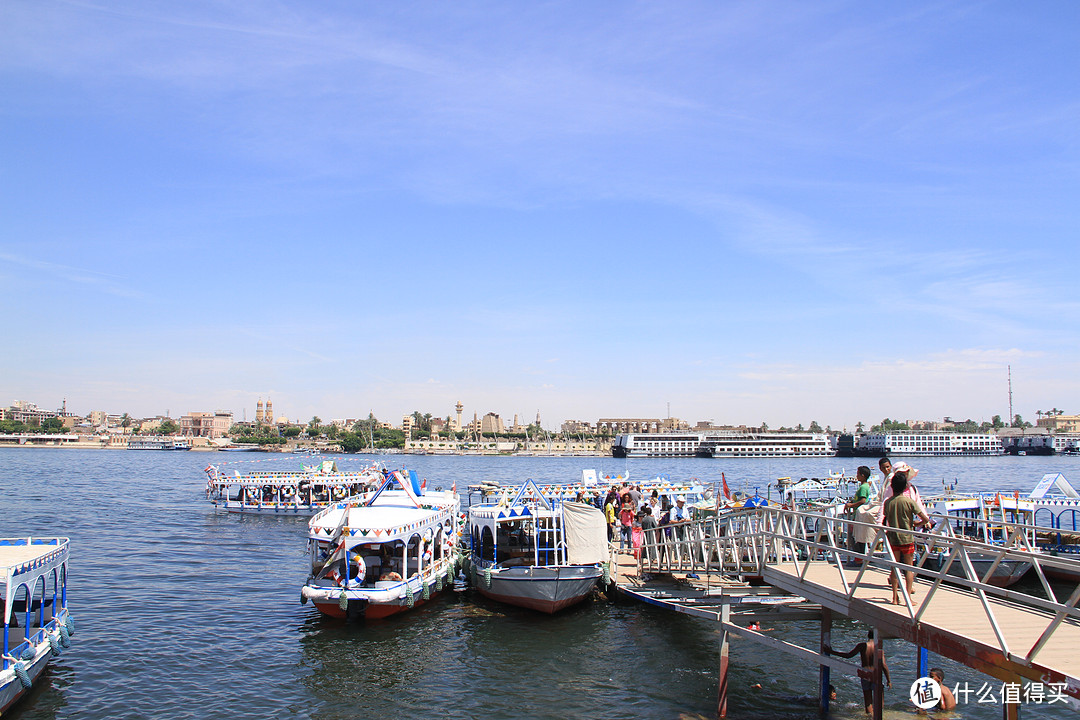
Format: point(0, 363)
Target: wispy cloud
point(87, 279)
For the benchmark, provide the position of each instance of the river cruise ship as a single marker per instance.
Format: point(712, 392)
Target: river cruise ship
point(722, 445)
point(909, 443)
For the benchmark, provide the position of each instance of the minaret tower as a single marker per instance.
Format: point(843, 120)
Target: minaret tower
point(269, 416)
point(259, 415)
point(459, 407)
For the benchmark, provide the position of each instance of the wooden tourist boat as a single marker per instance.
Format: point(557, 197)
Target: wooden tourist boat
point(385, 552)
point(536, 552)
point(297, 492)
point(37, 625)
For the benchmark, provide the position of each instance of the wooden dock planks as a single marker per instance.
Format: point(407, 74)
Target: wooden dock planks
point(954, 624)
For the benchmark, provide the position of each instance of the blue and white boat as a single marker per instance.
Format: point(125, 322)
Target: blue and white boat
point(37, 625)
point(287, 492)
point(380, 554)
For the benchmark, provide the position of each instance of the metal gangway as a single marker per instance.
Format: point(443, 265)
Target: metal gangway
point(1012, 635)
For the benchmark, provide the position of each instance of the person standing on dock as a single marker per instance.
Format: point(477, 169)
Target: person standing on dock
point(901, 513)
point(626, 522)
point(886, 489)
point(861, 500)
point(865, 651)
point(648, 522)
point(609, 512)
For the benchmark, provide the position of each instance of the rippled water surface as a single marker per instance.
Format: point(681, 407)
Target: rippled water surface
point(185, 612)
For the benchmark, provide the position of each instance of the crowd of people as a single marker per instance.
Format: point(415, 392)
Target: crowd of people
point(630, 512)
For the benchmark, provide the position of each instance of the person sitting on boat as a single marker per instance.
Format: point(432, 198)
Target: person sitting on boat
point(390, 577)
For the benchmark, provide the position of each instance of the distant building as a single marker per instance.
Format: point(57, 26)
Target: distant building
point(407, 425)
point(205, 424)
point(27, 412)
point(577, 427)
point(615, 426)
point(491, 424)
point(1060, 423)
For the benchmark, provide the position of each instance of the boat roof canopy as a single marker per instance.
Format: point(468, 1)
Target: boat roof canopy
point(1055, 480)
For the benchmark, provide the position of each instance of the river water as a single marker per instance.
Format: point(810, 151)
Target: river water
point(186, 612)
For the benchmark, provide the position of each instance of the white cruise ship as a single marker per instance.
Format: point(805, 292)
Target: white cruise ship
point(1066, 443)
point(722, 444)
point(911, 443)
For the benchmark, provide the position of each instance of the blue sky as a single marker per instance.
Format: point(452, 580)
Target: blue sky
point(777, 212)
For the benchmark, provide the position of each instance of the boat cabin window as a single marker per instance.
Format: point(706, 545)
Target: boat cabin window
point(515, 541)
point(487, 545)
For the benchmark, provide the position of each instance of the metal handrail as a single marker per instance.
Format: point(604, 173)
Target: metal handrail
point(745, 541)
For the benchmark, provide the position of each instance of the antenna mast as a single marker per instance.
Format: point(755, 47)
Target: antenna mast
point(1011, 416)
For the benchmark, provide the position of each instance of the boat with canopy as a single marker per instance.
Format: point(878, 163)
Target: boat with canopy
point(37, 626)
point(297, 492)
point(379, 554)
point(535, 551)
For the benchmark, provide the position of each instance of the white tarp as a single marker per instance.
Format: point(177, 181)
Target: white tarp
point(585, 529)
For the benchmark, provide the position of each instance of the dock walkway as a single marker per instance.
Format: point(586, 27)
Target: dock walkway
point(802, 567)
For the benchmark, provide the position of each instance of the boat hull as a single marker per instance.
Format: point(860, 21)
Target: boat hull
point(547, 589)
point(12, 689)
point(387, 598)
point(368, 610)
point(1007, 573)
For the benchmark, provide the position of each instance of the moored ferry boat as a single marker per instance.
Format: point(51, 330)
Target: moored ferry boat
point(378, 555)
point(990, 518)
point(722, 444)
point(536, 552)
point(593, 486)
point(302, 491)
point(37, 625)
point(158, 442)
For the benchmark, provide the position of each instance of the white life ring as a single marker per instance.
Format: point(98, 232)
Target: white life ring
point(339, 492)
point(288, 491)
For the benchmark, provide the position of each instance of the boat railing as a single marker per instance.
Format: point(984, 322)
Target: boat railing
point(744, 542)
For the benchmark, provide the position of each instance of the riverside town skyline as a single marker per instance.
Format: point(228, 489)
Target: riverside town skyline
point(490, 422)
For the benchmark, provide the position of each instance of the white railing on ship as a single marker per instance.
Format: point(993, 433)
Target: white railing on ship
point(743, 542)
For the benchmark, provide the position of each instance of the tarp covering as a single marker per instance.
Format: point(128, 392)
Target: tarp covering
point(866, 513)
point(586, 534)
